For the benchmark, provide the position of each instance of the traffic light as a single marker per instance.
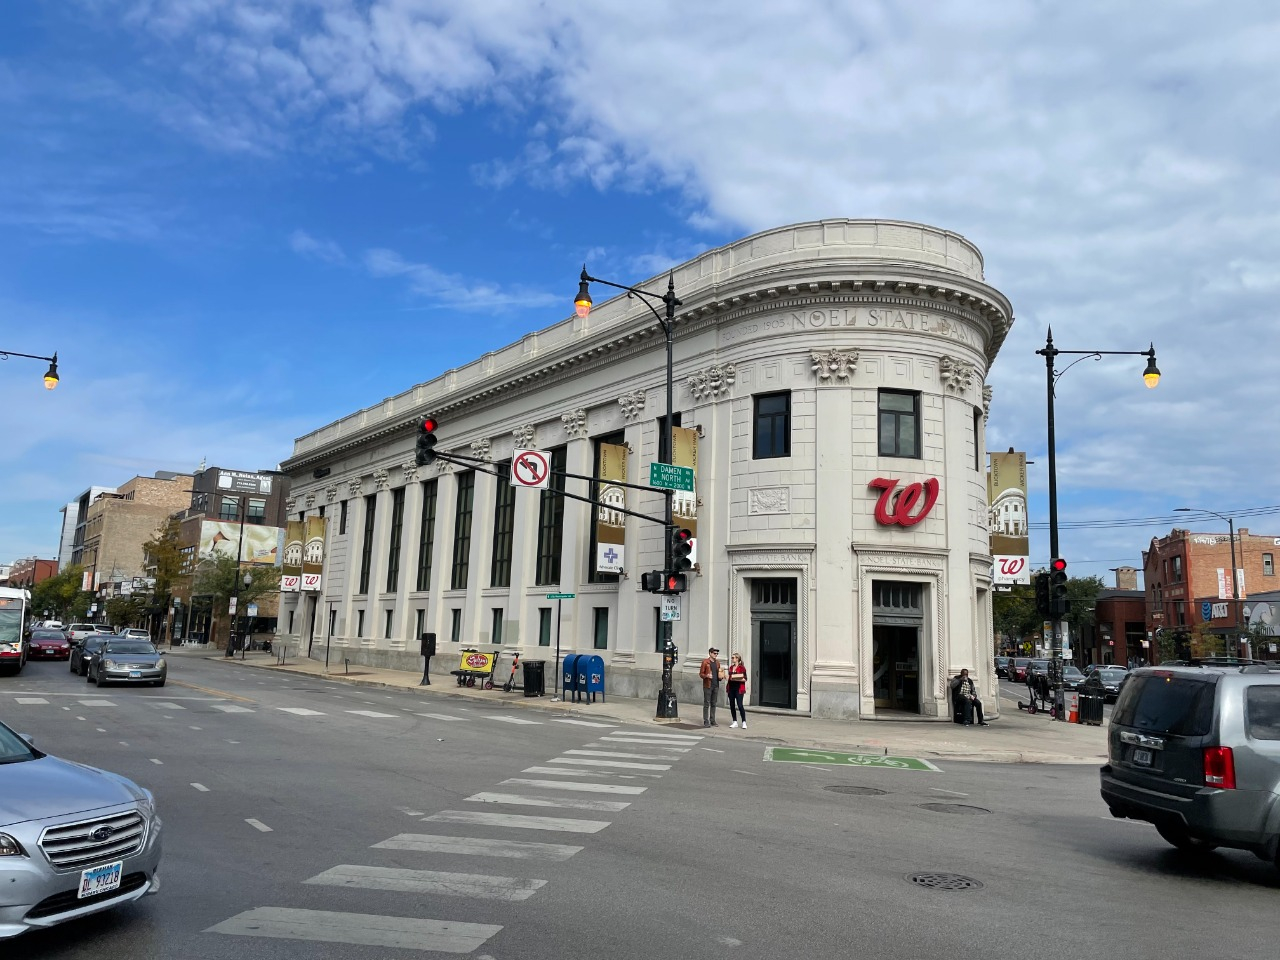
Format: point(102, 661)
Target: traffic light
point(1059, 602)
point(675, 583)
point(426, 451)
point(681, 547)
point(1042, 595)
point(652, 582)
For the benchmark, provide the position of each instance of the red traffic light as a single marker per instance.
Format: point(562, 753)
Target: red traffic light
point(429, 425)
point(1058, 565)
point(682, 536)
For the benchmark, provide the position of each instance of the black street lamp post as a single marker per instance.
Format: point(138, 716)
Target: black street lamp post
point(1235, 583)
point(667, 706)
point(50, 375)
point(1150, 376)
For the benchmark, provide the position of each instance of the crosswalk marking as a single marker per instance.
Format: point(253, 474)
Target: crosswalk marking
point(428, 881)
point(231, 708)
point(300, 711)
point(516, 799)
point(371, 713)
point(491, 716)
point(605, 754)
point(440, 716)
point(478, 847)
point(31, 700)
point(516, 821)
point(674, 737)
point(583, 723)
point(96, 703)
point(625, 764)
point(165, 704)
point(579, 787)
point(404, 933)
point(643, 741)
point(579, 772)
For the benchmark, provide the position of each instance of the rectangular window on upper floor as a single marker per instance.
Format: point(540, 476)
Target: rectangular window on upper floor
point(771, 426)
point(899, 423)
point(1268, 565)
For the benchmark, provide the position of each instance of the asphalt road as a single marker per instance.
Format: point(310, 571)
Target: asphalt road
point(310, 819)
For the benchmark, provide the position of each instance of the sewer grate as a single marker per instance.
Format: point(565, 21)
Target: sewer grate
point(959, 808)
point(944, 881)
point(856, 791)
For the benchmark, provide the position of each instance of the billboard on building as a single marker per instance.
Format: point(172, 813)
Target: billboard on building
point(1007, 520)
point(684, 503)
point(261, 544)
point(611, 530)
point(1224, 584)
point(291, 568)
point(313, 552)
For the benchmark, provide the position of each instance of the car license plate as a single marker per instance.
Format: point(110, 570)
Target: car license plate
point(1142, 758)
point(100, 879)
point(135, 673)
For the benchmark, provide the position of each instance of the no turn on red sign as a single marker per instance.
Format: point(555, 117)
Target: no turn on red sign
point(531, 469)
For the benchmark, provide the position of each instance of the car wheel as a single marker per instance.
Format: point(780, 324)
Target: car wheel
point(1180, 838)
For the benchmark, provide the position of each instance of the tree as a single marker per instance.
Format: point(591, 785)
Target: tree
point(127, 611)
point(61, 596)
point(1014, 613)
point(217, 578)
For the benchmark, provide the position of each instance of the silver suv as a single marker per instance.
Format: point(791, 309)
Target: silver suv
point(1195, 750)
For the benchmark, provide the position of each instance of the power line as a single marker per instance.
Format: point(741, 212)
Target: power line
point(1119, 523)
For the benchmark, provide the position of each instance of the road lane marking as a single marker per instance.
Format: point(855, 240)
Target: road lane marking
point(674, 737)
point(516, 799)
point(97, 703)
point(32, 701)
point(124, 743)
point(258, 825)
point(404, 933)
point(624, 764)
point(747, 772)
point(231, 708)
point(712, 750)
point(197, 728)
point(167, 705)
point(372, 713)
point(578, 787)
point(201, 787)
point(950, 793)
point(579, 772)
point(427, 881)
point(158, 763)
point(516, 821)
point(102, 729)
point(79, 718)
point(301, 711)
point(439, 716)
point(583, 723)
point(411, 812)
point(491, 716)
point(478, 847)
point(220, 694)
point(638, 742)
point(603, 754)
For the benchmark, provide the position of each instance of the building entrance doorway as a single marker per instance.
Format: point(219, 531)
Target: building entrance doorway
point(897, 616)
point(773, 634)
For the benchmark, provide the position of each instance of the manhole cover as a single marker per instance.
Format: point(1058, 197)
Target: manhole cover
point(856, 791)
point(961, 808)
point(944, 881)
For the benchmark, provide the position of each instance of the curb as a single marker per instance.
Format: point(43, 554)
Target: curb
point(966, 755)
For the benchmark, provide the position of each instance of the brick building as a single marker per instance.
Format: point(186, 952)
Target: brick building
point(29, 571)
point(1186, 570)
point(118, 523)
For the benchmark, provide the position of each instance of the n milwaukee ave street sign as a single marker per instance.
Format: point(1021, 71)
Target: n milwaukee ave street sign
point(670, 477)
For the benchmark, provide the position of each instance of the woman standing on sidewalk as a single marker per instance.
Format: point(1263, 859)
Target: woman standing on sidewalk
point(736, 688)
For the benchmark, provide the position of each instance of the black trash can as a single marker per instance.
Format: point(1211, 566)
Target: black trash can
point(535, 677)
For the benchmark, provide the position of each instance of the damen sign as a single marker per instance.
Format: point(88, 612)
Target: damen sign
point(897, 508)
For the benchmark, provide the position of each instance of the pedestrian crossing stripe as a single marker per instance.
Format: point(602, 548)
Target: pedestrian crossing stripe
point(478, 847)
point(517, 821)
point(618, 788)
point(624, 764)
point(428, 881)
point(404, 933)
point(374, 714)
point(509, 719)
point(605, 754)
point(576, 803)
point(301, 711)
point(673, 737)
point(582, 723)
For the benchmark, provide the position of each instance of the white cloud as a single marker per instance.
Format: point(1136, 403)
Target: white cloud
point(447, 290)
point(303, 244)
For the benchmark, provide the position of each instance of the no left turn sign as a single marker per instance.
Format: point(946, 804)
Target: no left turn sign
point(530, 468)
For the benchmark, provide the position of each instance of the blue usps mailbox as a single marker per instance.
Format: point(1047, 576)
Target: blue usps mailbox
point(569, 678)
point(590, 670)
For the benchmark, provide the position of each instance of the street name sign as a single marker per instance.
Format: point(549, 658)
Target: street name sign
point(561, 596)
point(671, 477)
point(831, 757)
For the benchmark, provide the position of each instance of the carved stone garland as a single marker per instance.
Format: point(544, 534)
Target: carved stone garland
point(575, 424)
point(331, 494)
point(380, 478)
point(840, 364)
point(713, 381)
point(354, 485)
point(480, 448)
point(311, 500)
point(957, 375)
point(986, 401)
point(632, 405)
point(523, 436)
point(410, 470)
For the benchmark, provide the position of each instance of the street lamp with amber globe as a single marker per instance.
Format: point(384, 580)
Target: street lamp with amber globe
point(50, 375)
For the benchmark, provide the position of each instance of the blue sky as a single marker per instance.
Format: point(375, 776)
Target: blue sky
point(237, 221)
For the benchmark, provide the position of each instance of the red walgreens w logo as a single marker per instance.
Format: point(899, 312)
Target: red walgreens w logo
point(1012, 566)
point(891, 509)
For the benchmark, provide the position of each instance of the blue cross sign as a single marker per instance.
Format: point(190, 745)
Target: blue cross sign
point(611, 555)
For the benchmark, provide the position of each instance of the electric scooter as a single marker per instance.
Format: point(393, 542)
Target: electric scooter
point(511, 680)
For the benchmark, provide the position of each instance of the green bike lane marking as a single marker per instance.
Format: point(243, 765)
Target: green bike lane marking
point(793, 755)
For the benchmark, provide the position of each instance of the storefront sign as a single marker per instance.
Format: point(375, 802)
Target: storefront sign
point(898, 508)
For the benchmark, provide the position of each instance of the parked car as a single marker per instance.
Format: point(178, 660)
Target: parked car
point(74, 839)
point(1195, 751)
point(1018, 668)
point(48, 644)
point(1072, 677)
point(1111, 677)
point(136, 633)
point(1002, 666)
point(127, 661)
point(77, 632)
point(85, 652)
point(1038, 667)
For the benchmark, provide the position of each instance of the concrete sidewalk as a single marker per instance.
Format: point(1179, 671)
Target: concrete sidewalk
point(1013, 738)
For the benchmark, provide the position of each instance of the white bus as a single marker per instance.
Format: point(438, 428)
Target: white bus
point(13, 628)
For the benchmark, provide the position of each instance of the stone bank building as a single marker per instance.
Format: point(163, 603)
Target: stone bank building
point(833, 374)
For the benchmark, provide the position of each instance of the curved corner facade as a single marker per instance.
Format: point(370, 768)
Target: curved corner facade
point(830, 378)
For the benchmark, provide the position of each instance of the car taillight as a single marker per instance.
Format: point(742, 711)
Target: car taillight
point(1219, 768)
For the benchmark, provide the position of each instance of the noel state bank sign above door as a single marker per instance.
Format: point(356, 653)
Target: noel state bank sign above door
point(904, 507)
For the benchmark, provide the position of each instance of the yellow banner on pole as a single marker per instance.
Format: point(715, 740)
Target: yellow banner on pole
point(291, 569)
point(611, 531)
point(1007, 518)
point(313, 552)
point(684, 503)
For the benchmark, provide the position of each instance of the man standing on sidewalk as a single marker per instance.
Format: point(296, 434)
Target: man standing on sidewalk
point(712, 673)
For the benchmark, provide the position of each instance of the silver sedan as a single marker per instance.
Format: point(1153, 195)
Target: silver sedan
point(127, 661)
point(74, 840)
